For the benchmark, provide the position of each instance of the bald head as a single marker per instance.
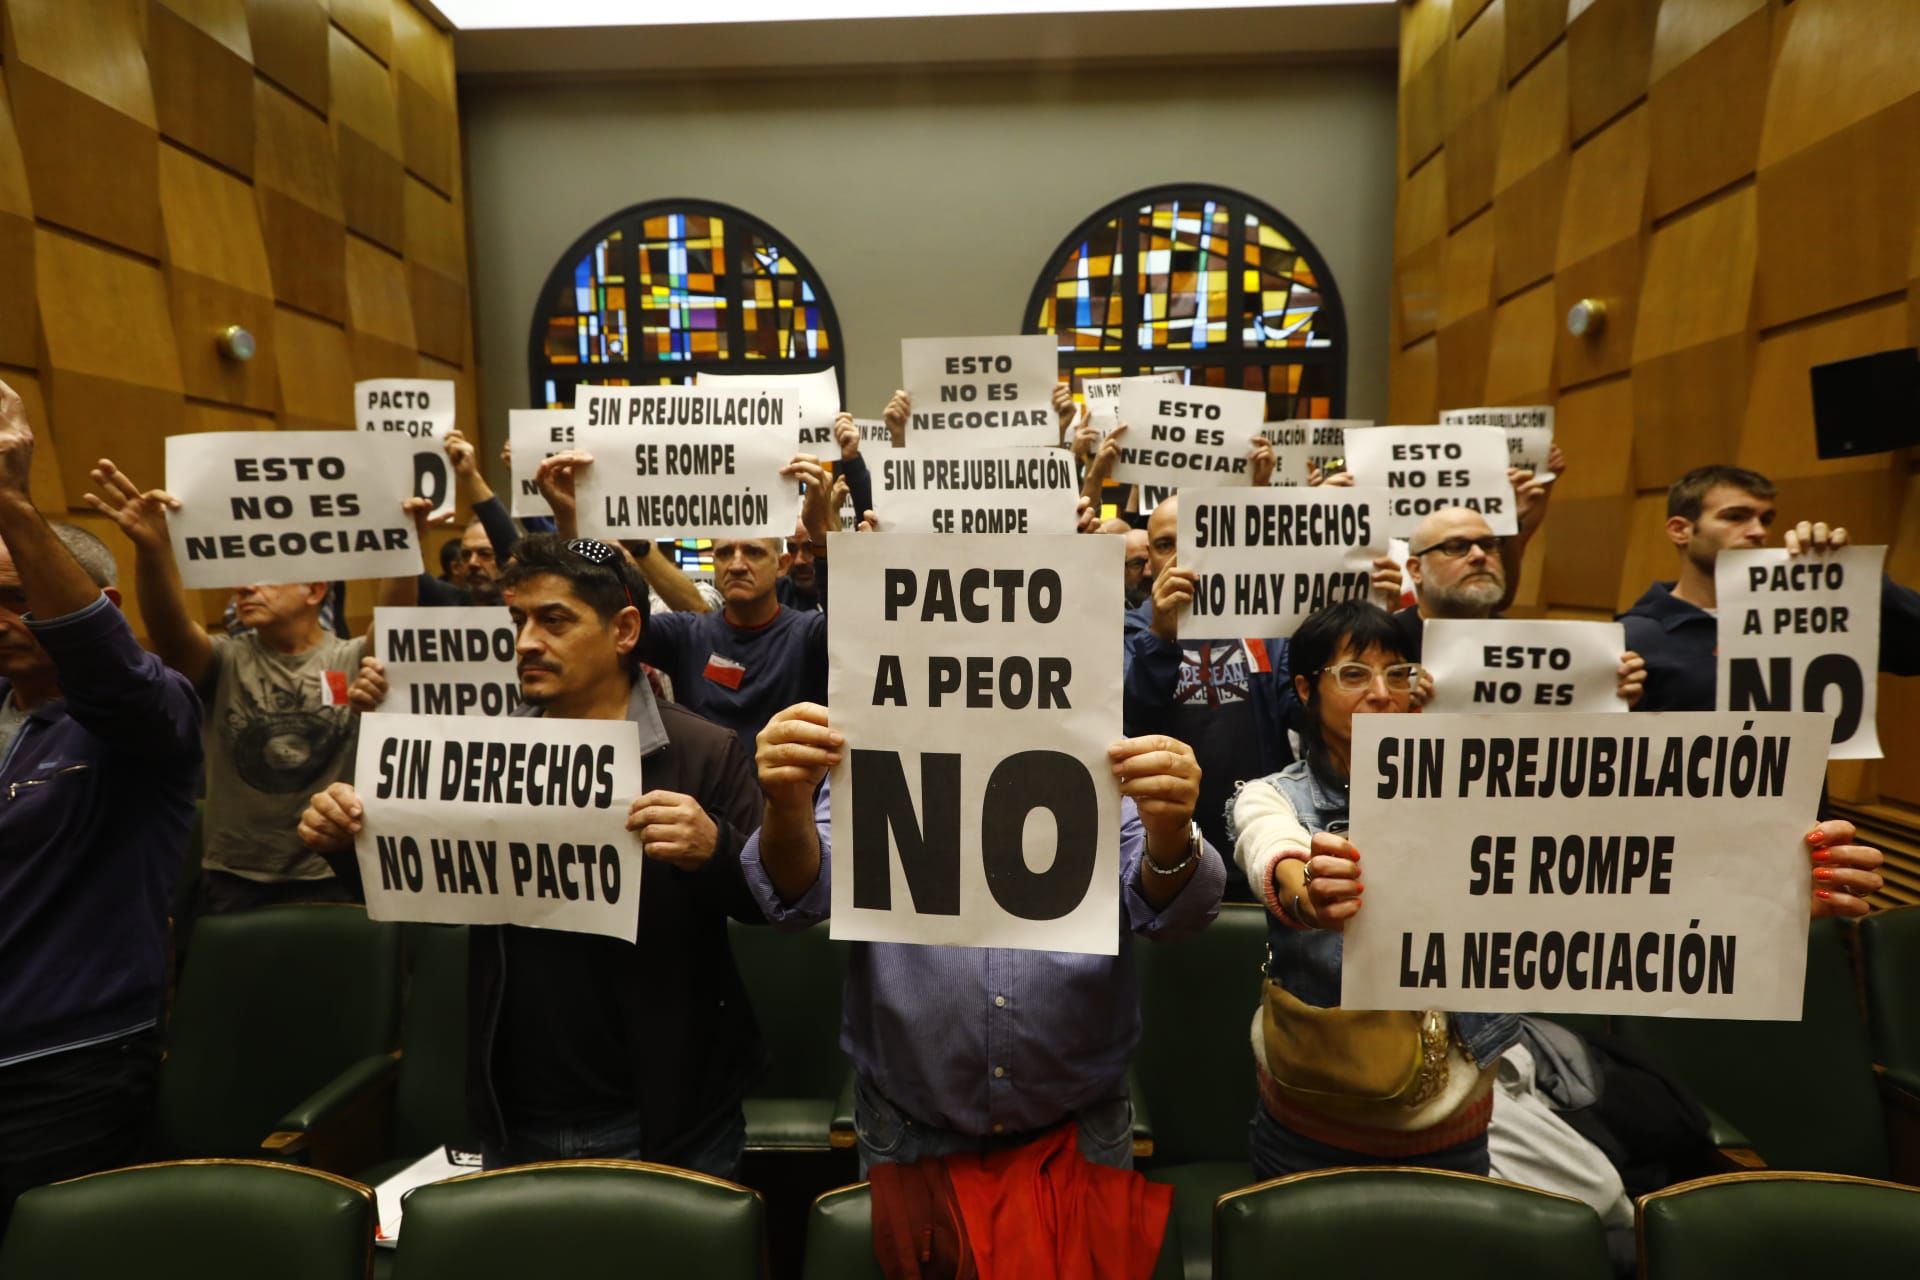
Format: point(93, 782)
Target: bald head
point(1163, 527)
point(1469, 585)
point(1115, 525)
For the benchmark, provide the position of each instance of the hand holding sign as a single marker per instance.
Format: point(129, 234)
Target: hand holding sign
point(142, 516)
point(1845, 874)
point(899, 409)
point(369, 688)
point(673, 828)
point(1332, 878)
point(555, 478)
point(1815, 536)
point(793, 753)
point(1163, 778)
point(16, 442)
point(332, 819)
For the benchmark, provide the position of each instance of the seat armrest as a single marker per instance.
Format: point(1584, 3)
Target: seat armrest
point(1900, 1094)
point(341, 1126)
point(1733, 1150)
point(1142, 1119)
point(842, 1136)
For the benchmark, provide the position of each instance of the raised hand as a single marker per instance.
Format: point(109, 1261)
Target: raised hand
point(141, 515)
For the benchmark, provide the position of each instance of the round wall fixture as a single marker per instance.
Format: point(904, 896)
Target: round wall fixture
point(1586, 317)
point(236, 343)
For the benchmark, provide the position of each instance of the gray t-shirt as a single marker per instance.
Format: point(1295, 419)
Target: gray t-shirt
point(272, 741)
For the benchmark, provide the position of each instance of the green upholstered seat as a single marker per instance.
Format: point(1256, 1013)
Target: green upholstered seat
point(272, 1006)
point(1778, 1225)
point(1754, 1073)
point(1405, 1222)
point(193, 1220)
point(1890, 954)
point(840, 1239)
point(794, 981)
point(586, 1220)
point(430, 1100)
point(1194, 1069)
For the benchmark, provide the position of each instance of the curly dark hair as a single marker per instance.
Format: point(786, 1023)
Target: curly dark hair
point(605, 585)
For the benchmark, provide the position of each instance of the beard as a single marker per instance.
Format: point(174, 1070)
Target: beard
point(1475, 598)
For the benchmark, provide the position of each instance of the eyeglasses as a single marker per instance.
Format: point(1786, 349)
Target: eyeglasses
point(1354, 677)
point(1457, 548)
point(595, 552)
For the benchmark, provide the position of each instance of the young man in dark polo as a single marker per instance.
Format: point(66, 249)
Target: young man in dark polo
point(585, 1046)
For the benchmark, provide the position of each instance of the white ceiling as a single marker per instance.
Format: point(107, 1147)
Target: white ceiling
point(573, 37)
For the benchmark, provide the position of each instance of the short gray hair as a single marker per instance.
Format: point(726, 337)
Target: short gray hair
point(89, 551)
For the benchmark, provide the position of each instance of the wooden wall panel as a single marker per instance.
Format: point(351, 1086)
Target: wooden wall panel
point(1609, 45)
point(1530, 182)
point(366, 133)
point(17, 329)
point(77, 74)
point(290, 47)
point(112, 373)
point(217, 276)
point(1743, 193)
point(1706, 107)
point(203, 77)
point(170, 167)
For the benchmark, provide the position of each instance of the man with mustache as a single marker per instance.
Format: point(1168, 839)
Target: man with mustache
point(99, 750)
point(585, 1046)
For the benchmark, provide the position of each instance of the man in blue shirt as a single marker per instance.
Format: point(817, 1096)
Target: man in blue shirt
point(99, 748)
point(976, 1048)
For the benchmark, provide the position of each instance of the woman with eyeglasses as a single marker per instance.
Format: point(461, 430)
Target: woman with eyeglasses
point(1344, 1086)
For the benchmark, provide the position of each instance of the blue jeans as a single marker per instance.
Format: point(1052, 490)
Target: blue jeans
point(1278, 1150)
point(715, 1151)
point(889, 1136)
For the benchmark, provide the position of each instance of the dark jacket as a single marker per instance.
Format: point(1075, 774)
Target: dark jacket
point(697, 1047)
point(1681, 644)
point(96, 808)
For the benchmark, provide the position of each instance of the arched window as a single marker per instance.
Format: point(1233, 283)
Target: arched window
point(665, 290)
point(1204, 281)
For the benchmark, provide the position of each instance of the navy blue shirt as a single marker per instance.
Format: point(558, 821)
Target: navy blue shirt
point(738, 677)
point(96, 807)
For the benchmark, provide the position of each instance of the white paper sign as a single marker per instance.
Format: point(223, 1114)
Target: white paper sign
point(1181, 435)
point(534, 436)
point(984, 391)
point(1516, 664)
point(1103, 397)
point(654, 407)
point(1553, 863)
point(1802, 633)
point(1426, 469)
point(290, 506)
point(1264, 559)
point(872, 431)
point(422, 409)
point(686, 482)
point(931, 489)
point(452, 661)
point(520, 820)
point(1529, 429)
point(816, 399)
point(973, 676)
point(1299, 441)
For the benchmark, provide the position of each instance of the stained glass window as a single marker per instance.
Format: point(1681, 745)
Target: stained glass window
point(1203, 281)
point(660, 292)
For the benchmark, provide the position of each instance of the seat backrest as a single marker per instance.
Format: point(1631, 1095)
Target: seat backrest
point(1768, 1225)
point(1194, 1066)
point(430, 1100)
point(1392, 1221)
point(794, 981)
point(203, 1220)
point(607, 1219)
point(1890, 949)
point(1740, 1069)
point(840, 1236)
point(272, 1005)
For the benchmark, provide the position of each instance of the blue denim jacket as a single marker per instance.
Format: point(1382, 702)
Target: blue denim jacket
point(1307, 961)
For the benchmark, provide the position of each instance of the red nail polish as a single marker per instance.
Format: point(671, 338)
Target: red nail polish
point(1823, 893)
point(1816, 837)
point(1823, 873)
point(1821, 855)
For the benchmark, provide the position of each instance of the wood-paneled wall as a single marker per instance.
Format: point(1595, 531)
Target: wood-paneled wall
point(171, 167)
point(1739, 182)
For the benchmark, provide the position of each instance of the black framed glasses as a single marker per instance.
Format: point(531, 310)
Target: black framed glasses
point(1457, 548)
point(596, 552)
